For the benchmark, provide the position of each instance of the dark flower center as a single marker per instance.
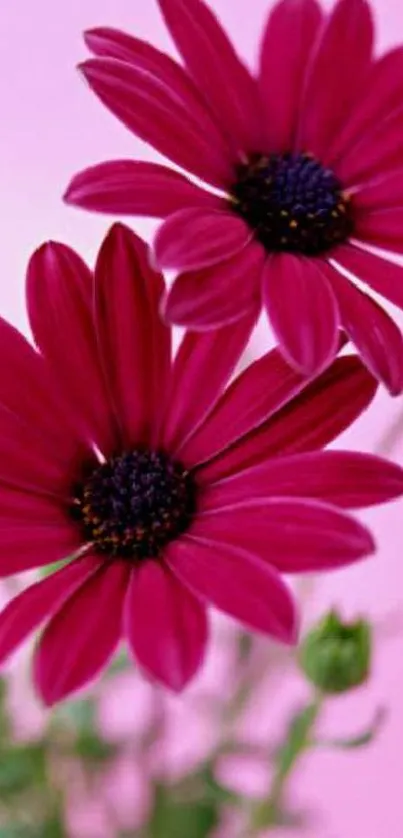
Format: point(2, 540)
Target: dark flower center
point(292, 203)
point(131, 506)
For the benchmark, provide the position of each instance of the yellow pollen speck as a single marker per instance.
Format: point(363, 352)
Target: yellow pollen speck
point(284, 213)
point(284, 240)
point(293, 223)
point(335, 214)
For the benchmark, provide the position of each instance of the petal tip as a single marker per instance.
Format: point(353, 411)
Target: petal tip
point(368, 544)
point(71, 194)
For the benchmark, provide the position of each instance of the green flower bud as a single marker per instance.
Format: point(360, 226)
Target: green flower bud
point(336, 656)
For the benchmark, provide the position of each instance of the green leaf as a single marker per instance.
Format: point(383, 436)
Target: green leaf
point(174, 819)
point(361, 739)
point(20, 769)
point(52, 828)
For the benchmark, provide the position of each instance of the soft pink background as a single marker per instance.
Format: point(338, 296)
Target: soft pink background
point(52, 126)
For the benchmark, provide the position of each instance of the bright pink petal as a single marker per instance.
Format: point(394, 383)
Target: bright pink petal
point(234, 582)
point(162, 115)
point(192, 239)
point(384, 193)
point(381, 95)
point(228, 87)
point(293, 534)
point(60, 292)
point(19, 506)
point(377, 154)
point(31, 607)
point(375, 335)
point(381, 229)
point(341, 62)
point(142, 56)
point(309, 421)
point(343, 478)
point(165, 624)
point(383, 276)
point(209, 357)
point(134, 342)
point(211, 297)
point(25, 544)
point(29, 461)
point(131, 187)
point(30, 397)
point(83, 633)
point(302, 311)
point(261, 390)
point(286, 50)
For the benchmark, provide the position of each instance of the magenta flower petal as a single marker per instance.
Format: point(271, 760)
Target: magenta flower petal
point(302, 311)
point(29, 462)
point(165, 624)
point(31, 607)
point(343, 478)
point(135, 344)
point(17, 506)
point(381, 95)
point(228, 87)
point(205, 356)
point(237, 584)
point(195, 238)
point(263, 388)
point(162, 115)
point(201, 299)
point(375, 335)
point(26, 545)
point(293, 534)
point(380, 194)
point(39, 406)
point(386, 278)
point(309, 421)
point(378, 153)
point(332, 85)
point(286, 50)
point(82, 635)
point(131, 187)
point(382, 228)
point(60, 292)
point(161, 69)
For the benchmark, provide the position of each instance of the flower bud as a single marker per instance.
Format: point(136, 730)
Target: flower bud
point(336, 656)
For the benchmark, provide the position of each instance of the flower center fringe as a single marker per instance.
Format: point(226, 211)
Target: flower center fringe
point(131, 506)
point(293, 203)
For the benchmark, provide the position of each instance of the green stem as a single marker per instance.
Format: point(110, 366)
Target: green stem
point(298, 740)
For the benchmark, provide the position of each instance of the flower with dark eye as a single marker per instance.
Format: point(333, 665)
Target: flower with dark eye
point(167, 491)
point(303, 166)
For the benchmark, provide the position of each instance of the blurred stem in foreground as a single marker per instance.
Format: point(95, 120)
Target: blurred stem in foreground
point(297, 741)
point(335, 658)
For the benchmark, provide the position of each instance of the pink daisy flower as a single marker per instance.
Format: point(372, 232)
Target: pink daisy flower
point(166, 492)
point(306, 161)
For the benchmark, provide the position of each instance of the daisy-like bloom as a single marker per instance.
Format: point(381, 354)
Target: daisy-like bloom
point(305, 161)
point(168, 492)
